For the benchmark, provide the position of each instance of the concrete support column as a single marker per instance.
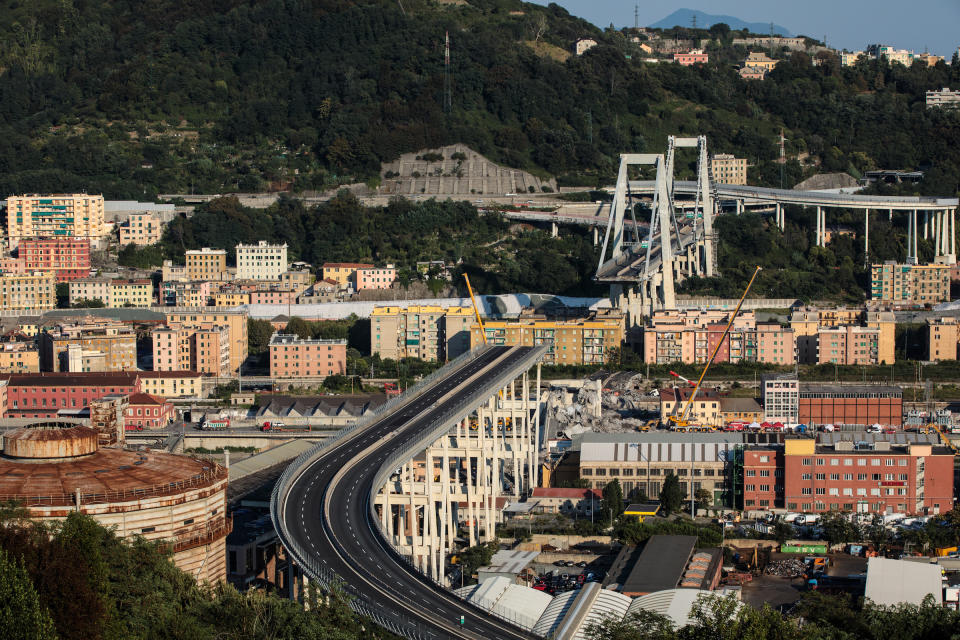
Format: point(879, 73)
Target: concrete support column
point(779, 216)
point(596, 236)
point(866, 236)
point(915, 234)
point(953, 232)
point(739, 206)
point(554, 229)
point(926, 225)
point(821, 228)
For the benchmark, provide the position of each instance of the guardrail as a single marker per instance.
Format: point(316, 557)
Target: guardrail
point(436, 430)
point(304, 460)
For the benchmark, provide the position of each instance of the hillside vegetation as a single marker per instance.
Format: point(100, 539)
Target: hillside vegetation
point(130, 98)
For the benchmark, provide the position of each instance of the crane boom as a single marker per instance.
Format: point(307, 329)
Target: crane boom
point(476, 309)
point(733, 316)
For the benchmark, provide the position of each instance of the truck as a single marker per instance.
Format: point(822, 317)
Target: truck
point(272, 426)
point(133, 427)
point(214, 424)
point(391, 389)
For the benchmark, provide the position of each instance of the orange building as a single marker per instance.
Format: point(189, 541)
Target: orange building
point(294, 357)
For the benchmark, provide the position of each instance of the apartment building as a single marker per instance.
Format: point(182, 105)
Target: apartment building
point(808, 323)
point(848, 345)
point(374, 278)
point(68, 258)
point(141, 229)
point(864, 473)
point(849, 58)
point(586, 340)
point(204, 349)
point(261, 261)
point(428, 332)
point(728, 169)
point(206, 264)
point(172, 384)
point(942, 338)
point(691, 336)
point(231, 298)
point(199, 318)
point(175, 293)
point(690, 58)
point(763, 477)
point(903, 56)
point(131, 293)
point(75, 215)
point(274, 296)
point(910, 284)
point(943, 98)
point(294, 357)
point(90, 289)
point(640, 461)
point(760, 60)
point(343, 273)
point(170, 272)
point(36, 291)
point(781, 398)
point(19, 357)
point(115, 341)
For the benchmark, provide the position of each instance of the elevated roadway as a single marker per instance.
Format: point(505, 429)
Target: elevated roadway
point(323, 505)
point(806, 198)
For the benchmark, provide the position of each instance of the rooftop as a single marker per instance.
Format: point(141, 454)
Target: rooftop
point(661, 564)
point(68, 379)
point(835, 389)
point(145, 398)
point(109, 475)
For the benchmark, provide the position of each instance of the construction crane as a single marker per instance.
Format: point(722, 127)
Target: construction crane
point(944, 438)
point(682, 420)
point(476, 309)
point(680, 377)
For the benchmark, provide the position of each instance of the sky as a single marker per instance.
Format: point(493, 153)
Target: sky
point(852, 24)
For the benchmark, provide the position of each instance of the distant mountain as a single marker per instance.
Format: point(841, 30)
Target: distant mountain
point(684, 18)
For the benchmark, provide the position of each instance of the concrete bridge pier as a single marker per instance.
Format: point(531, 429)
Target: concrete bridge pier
point(926, 225)
point(866, 237)
point(821, 227)
point(596, 236)
point(779, 216)
point(554, 229)
point(739, 207)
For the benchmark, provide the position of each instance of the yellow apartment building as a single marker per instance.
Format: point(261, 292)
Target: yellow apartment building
point(428, 332)
point(141, 229)
point(131, 293)
point(910, 284)
point(206, 264)
point(19, 357)
point(57, 215)
point(728, 169)
point(342, 272)
point(231, 298)
point(571, 341)
point(35, 291)
point(942, 337)
point(172, 384)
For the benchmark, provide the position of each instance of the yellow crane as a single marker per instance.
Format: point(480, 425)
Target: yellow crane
point(944, 437)
point(682, 420)
point(476, 309)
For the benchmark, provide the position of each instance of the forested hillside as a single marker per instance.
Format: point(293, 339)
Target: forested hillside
point(130, 98)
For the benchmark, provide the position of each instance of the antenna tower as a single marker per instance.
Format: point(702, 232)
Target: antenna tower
point(636, 16)
point(447, 82)
point(693, 21)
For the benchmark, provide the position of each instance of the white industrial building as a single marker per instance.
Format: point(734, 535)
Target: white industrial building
point(892, 582)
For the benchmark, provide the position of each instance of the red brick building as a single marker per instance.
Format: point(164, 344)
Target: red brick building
point(854, 472)
point(294, 357)
point(41, 395)
point(850, 404)
point(68, 257)
point(145, 411)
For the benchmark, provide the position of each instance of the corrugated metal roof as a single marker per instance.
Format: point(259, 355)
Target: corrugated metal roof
point(554, 613)
point(890, 582)
point(677, 449)
point(676, 604)
point(901, 437)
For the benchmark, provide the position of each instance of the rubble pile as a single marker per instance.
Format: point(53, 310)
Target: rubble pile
point(787, 568)
point(617, 408)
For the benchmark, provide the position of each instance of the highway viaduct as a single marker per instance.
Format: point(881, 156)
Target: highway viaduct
point(375, 510)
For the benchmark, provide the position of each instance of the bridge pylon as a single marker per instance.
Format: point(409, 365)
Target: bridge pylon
point(680, 238)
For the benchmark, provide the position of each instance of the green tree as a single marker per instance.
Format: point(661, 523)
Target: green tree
point(876, 532)
point(671, 495)
point(703, 498)
point(259, 333)
point(783, 531)
point(63, 295)
point(612, 502)
point(838, 529)
point(642, 625)
point(22, 615)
